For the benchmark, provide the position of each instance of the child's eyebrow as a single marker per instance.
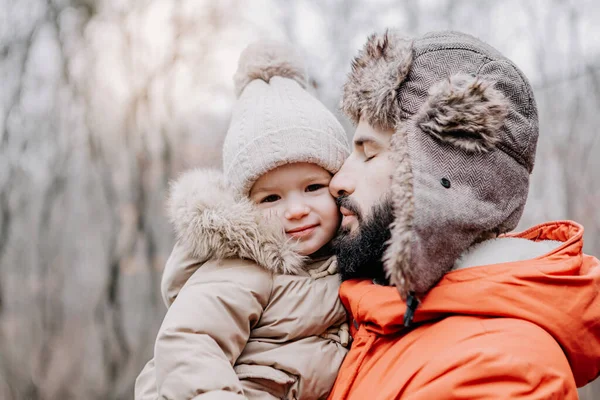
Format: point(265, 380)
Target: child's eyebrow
point(263, 189)
point(316, 177)
point(306, 179)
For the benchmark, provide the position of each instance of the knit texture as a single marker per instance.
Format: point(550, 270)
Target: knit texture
point(276, 121)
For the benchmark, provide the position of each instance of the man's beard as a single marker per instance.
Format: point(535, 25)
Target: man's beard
point(359, 254)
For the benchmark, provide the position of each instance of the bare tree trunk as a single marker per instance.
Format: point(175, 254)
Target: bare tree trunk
point(100, 110)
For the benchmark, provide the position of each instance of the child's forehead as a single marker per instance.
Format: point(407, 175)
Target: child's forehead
point(297, 170)
point(291, 174)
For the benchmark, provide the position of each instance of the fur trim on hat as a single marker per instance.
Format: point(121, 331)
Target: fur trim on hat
point(464, 111)
point(264, 60)
point(398, 253)
point(212, 224)
point(377, 73)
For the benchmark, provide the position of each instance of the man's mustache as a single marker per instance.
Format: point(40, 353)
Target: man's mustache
point(350, 205)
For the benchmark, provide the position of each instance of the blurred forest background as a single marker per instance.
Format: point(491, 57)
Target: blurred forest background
point(103, 102)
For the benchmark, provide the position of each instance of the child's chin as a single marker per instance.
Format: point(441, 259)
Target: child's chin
point(313, 250)
point(306, 251)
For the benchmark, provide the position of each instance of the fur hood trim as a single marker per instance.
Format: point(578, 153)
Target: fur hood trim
point(265, 60)
point(211, 223)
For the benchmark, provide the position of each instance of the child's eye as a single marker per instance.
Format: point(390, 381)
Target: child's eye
point(369, 158)
point(314, 187)
point(270, 199)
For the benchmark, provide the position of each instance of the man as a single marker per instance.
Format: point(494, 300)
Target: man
point(444, 145)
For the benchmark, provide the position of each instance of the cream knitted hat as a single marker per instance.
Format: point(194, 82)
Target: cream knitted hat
point(276, 121)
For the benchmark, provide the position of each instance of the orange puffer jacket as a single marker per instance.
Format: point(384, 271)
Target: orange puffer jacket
point(522, 329)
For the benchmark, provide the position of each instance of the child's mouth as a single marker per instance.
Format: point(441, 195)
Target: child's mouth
point(302, 231)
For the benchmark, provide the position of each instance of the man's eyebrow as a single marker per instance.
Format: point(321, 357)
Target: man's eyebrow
point(361, 140)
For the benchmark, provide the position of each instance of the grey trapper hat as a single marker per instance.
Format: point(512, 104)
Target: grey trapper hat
point(466, 129)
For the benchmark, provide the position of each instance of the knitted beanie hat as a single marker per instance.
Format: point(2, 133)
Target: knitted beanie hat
point(466, 129)
point(276, 121)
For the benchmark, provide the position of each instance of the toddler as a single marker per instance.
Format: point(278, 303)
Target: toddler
point(251, 286)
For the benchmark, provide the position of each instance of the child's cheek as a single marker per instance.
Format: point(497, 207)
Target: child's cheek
point(271, 212)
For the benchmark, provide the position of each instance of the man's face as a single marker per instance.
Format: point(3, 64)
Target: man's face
point(362, 190)
point(365, 177)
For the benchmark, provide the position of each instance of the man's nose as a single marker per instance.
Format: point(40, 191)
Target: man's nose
point(341, 184)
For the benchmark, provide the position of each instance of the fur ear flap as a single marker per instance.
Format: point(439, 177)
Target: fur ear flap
point(377, 73)
point(465, 111)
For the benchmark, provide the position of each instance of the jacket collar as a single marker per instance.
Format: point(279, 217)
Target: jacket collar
point(504, 250)
point(558, 291)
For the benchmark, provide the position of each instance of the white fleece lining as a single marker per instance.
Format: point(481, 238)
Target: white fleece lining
point(504, 250)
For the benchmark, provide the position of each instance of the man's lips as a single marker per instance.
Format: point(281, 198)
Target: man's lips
point(346, 213)
point(347, 216)
point(302, 230)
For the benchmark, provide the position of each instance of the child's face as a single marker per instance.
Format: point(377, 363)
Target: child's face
point(298, 194)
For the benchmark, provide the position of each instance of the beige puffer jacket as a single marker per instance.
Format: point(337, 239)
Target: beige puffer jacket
point(236, 326)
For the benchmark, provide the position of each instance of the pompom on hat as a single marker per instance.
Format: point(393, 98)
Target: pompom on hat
point(275, 120)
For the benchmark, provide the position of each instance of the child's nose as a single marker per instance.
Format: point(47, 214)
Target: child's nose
point(296, 211)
